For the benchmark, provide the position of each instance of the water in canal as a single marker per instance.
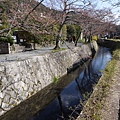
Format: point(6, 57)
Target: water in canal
point(67, 101)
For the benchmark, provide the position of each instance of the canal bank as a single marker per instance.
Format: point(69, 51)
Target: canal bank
point(104, 103)
point(21, 79)
point(68, 103)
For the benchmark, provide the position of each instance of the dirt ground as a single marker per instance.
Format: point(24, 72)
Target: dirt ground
point(111, 109)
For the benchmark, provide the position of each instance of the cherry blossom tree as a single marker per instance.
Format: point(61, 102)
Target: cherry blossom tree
point(66, 7)
point(95, 22)
point(28, 15)
point(22, 12)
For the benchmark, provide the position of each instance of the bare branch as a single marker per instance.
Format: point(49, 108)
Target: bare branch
point(22, 24)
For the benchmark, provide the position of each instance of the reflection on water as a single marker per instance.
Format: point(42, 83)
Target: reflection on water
point(67, 103)
point(91, 75)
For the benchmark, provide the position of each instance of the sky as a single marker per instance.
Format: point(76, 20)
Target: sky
point(99, 5)
point(115, 10)
point(107, 5)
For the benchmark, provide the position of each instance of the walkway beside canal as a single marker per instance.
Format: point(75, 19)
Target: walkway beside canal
point(111, 109)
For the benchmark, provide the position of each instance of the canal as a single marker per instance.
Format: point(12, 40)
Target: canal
point(71, 92)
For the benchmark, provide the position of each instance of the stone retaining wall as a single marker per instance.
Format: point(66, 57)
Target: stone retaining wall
point(19, 80)
point(4, 48)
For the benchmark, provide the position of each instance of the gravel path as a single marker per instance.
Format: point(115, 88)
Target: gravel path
point(24, 55)
point(28, 54)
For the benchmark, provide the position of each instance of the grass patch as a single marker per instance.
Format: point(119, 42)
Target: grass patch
point(53, 51)
point(55, 79)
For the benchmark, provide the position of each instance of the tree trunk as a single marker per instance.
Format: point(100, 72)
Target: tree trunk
point(89, 38)
point(17, 38)
point(34, 45)
point(57, 46)
point(85, 38)
point(77, 38)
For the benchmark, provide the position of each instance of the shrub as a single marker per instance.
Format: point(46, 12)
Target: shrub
point(8, 39)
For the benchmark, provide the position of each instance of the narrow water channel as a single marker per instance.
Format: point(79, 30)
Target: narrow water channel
point(67, 101)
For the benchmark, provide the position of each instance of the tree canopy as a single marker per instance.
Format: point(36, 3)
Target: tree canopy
point(54, 18)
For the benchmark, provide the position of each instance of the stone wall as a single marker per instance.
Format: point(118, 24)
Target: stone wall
point(15, 48)
point(19, 80)
point(4, 48)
